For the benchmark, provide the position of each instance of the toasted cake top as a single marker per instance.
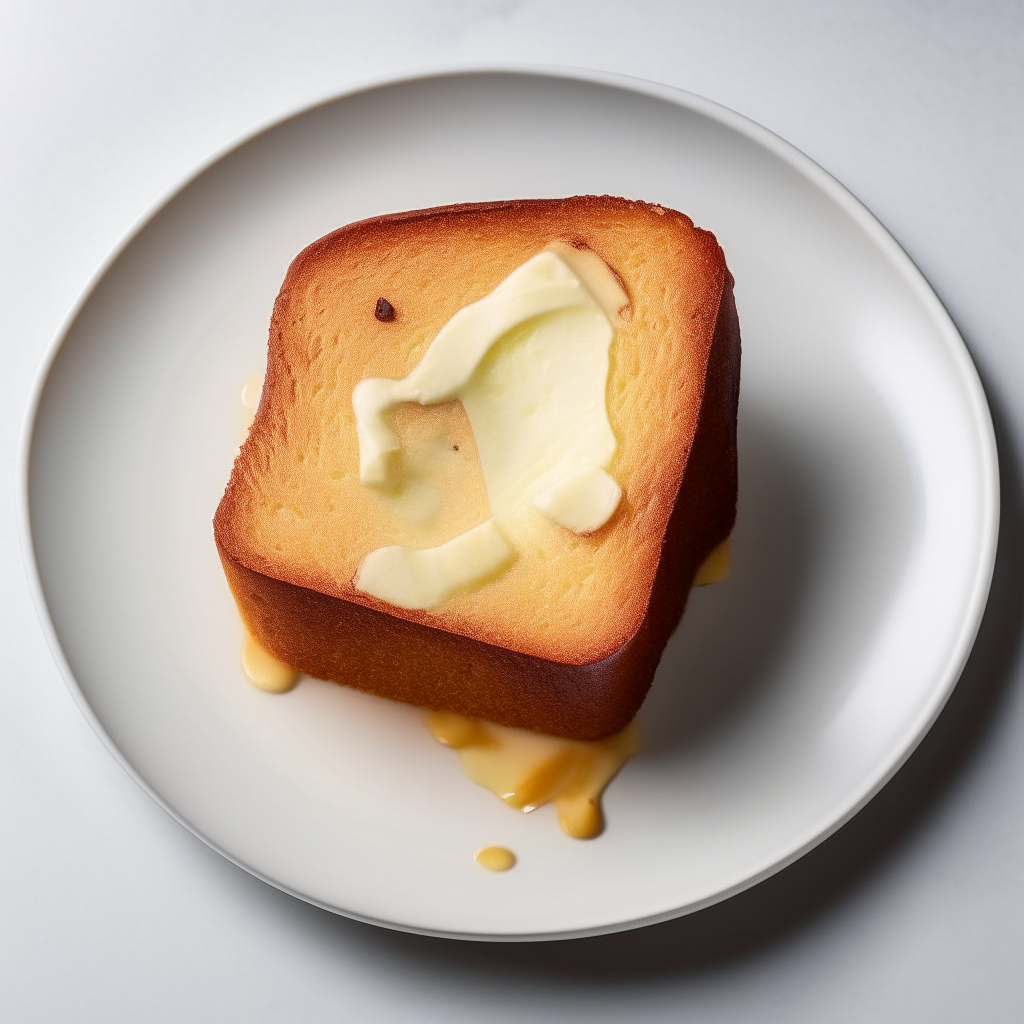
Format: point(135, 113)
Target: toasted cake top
point(295, 508)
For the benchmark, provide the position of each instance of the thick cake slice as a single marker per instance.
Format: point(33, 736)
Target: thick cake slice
point(494, 445)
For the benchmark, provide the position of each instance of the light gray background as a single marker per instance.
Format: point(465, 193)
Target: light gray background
point(913, 912)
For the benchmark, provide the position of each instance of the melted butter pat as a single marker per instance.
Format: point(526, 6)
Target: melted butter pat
point(424, 578)
point(583, 502)
point(527, 769)
point(495, 858)
point(264, 671)
point(529, 362)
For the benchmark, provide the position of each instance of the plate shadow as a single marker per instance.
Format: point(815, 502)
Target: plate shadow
point(708, 674)
point(767, 913)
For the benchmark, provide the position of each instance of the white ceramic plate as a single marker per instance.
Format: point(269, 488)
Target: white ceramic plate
point(863, 549)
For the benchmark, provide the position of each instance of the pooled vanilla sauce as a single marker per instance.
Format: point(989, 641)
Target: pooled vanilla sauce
point(529, 769)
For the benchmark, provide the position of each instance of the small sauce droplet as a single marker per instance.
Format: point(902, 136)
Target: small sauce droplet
point(384, 311)
point(495, 858)
point(264, 670)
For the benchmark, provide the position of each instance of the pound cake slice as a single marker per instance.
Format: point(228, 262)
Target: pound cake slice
point(494, 445)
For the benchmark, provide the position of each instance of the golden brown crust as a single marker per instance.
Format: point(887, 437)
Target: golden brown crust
point(580, 666)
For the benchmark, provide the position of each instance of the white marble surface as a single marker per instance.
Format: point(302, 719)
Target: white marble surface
point(111, 912)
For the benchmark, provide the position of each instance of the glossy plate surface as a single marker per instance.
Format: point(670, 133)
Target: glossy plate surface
point(862, 554)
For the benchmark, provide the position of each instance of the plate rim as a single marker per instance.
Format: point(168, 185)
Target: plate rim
point(900, 261)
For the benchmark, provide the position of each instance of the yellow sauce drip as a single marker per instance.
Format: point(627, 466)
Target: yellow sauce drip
point(264, 670)
point(495, 858)
point(527, 769)
point(715, 567)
